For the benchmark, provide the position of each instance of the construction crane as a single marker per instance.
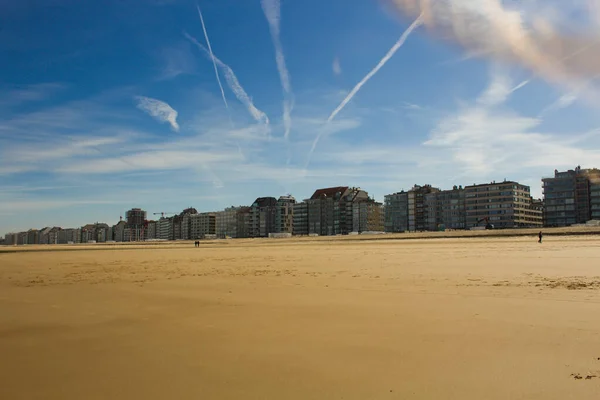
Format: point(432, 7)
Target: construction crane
point(163, 213)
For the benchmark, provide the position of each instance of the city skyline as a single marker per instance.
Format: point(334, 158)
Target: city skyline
point(153, 216)
point(113, 105)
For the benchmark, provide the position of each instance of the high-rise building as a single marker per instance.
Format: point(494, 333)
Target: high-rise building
point(396, 212)
point(33, 236)
point(417, 210)
point(330, 210)
point(202, 225)
point(119, 231)
point(151, 230)
point(300, 219)
point(445, 209)
point(263, 217)
point(182, 224)
point(164, 228)
point(367, 216)
point(284, 219)
point(136, 224)
point(595, 197)
point(501, 204)
point(569, 195)
point(10, 239)
point(233, 222)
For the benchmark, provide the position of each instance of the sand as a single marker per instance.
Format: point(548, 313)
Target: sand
point(481, 318)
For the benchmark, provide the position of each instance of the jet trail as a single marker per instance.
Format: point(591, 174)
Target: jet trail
point(272, 11)
point(212, 57)
point(360, 84)
point(233, 83)
point(381, 63)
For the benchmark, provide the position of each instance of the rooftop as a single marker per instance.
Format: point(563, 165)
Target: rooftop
point(329, 192)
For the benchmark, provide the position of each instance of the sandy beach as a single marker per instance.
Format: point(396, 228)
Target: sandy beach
point(477, 318)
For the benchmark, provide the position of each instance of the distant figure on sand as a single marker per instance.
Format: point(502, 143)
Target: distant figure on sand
point(196, 243)
point(540, 237)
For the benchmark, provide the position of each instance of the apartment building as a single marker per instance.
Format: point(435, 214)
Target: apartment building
point(263, 216)
point(202, 225)
point(10, 239)
point(504, 204)
point(445, 209)
point(300, 219)
point(284, 219)
point(164, 228)
point(136, 225)
point(330, 210)
point(33, 236)
point(396, 212)
point(568, 196)
point(233, 222)
point(367, 216)
point(417, 210)
point(118, 231)
point(69, 235)
point(595, 198)
point(182, 224)
point(151, 230)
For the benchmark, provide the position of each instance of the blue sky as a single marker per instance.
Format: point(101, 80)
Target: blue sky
point(110, 105)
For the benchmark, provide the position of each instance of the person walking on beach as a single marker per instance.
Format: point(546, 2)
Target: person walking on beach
point(540, 237)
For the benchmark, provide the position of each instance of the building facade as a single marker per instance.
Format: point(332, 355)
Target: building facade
point(569, 197)
point(284, 219)
point(263, 216)
point(203, 225)
point(300, 219)
point(330, 210)
point(367, 216)
point(396, 212)
point(136, 224)
point(417, 210)
point(233, 222)
point(445, 209)
point(164, 228)
point(502, 204)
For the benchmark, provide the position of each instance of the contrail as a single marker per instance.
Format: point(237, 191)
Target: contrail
point(233, 83)
point(381, 63)
point(212, 57)
point(272, 11)
point(356, 88)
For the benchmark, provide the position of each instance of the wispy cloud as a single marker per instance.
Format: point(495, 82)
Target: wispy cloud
point(177, 61)
point(212, 56)
point(411, 106)
point(232, 82)
point(160, 110)
point(484, 139)
point(336, 67)
point(272, 10)
point(18, 94)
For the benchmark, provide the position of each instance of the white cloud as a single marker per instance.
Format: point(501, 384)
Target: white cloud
point(336, 67)
point(411, 106)
point(160, 110)
point(529, 33)
point(484, 140)
point(19, 94)
point(177, 60)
